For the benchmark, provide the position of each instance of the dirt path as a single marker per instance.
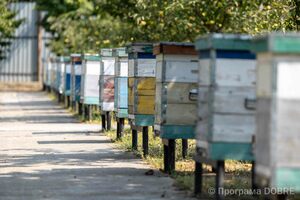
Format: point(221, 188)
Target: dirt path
point(47, 154)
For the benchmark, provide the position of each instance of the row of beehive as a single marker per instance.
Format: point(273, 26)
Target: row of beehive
point(219, 90)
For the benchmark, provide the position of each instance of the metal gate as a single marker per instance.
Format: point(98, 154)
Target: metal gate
point(21, 62)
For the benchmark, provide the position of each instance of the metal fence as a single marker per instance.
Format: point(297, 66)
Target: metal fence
point(21, 62)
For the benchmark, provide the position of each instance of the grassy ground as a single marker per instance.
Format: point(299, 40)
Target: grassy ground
point(238, 173)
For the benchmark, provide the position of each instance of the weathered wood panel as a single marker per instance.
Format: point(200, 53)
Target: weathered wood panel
point(146, 68)
point(123, 94)
point(233, 128)
point(130, 95)
point(235, 72)
point(108, 66)
point(91, 80)
point(234, 100)
point(182, 93)
point(145, 83)
point(262, 146)
point(145, 105)
point(264, 75)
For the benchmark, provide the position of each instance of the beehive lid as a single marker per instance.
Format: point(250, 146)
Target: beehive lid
point(65, 59)
point(120, 52)
point(91, 57)
point(139, 47)
point(106, 52)
point(182, 48)
point(75, 57)
point(277, 43)
point(224, 42)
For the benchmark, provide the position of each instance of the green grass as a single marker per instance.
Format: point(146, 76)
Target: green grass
point(237, 173)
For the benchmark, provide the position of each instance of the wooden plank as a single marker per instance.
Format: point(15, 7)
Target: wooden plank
point(181, 114)
point(180, 71)
point(92, 68)
point(264, 75)
point(233, 128)
point(235, 72)
point(131, 65)
point(175, 48)
point(145, 83)
point(145, 105)
point(234, 100)
point(288, 80)
point(285, 134)
point(205, 66)
point(262, 137)
point(181, 93)
point(131, 95)
point(145, 68)
point(91, 86)
point(108, 66)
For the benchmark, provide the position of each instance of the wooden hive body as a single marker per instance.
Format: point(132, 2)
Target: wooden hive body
point(121, 83)
point(107, 77)
point(76, 71)
point(226, 100)
point(67, 81)
point(141, 84)
point(176, 90)
point(277, 143)
point(90, 79)
point(63, 63)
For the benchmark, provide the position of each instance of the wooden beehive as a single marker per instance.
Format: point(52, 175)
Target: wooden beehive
point(90, 79)
point(52, 71)
point(176, 90)
point(60, 74)
point(141, 84)
point(107, 74)
point(76, 70)
point(226, 99)
point(67, 76)
point(277, 142)
point(121, 79)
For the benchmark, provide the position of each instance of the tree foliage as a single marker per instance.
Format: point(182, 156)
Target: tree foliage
point(87, 25)
point(8, 25)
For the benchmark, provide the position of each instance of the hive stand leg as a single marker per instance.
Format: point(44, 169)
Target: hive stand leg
point(80, 108)
point(184, 148)
point(198, 177)
point(171, 154)
point(103, 122)
point(108, 120)
point(145, 141)
point(134, 139)
point(58, 97)
point(90, 113)
point(254, 187)
point(220, 179)
point(122, 122)
point(68, 102)
point(74, 103)
point(166, 158)
point(118, 129)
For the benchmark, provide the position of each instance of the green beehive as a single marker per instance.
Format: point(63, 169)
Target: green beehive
point(277, 143)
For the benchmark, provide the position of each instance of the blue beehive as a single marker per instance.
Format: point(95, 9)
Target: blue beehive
point(66, 86)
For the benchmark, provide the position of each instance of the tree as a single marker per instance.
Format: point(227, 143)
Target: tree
point(88, 25)
point(8, 24)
